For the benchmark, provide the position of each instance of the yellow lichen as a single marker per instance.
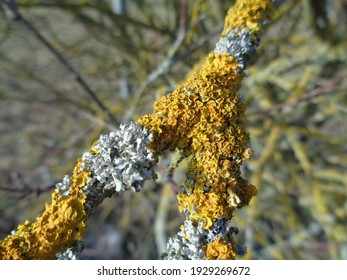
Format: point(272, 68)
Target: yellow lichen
point(220, 250)
point(205, 206)
point(57, 229)
point(247, 14)
point(181, 117)
point(93, 150)
point(80, 178)
point(205, 118)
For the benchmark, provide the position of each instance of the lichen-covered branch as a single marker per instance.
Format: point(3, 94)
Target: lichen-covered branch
point(116, 162)
point(204, 118)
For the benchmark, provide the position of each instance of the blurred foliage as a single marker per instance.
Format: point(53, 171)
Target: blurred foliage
point(295, 93)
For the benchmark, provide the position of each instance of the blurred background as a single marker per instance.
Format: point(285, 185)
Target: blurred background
point(72, 70)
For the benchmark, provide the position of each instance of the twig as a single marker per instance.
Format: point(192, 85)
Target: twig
point(307, 96)
point(36, 190)
point(17, 16)
point(165, 65)
point(25, 188)
point(202, 41)
point(170, 187)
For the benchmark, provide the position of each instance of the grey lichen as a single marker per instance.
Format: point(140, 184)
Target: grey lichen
point(186, 244)
point(240, 44)
point(123, 161)
point(64, 186)
point(71, 253)
point(120, 161)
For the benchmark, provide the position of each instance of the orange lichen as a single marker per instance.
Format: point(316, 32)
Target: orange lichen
point(93, 150)
point(195, 110)
point(247, 14)
point(220, 250)
point(80, 178)
point(57, 229)
point(205, 206)
point(205, 118)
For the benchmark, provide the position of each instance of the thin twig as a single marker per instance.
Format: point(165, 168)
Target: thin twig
point(170, 189)
point(24, 189)
point(202, 42)
point(307, 96)
point(17, 16)
point(165, 65)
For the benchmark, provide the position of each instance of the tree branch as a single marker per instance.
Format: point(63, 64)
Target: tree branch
point(17, 16)
point(307, 96)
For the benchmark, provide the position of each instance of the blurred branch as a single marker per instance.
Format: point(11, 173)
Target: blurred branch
point(100, 6)
point(17, 16)
point(25, 188)
point(28, 190)
point(201, 42)
point(307, 96)
point(165, 66)
point(163, 209)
